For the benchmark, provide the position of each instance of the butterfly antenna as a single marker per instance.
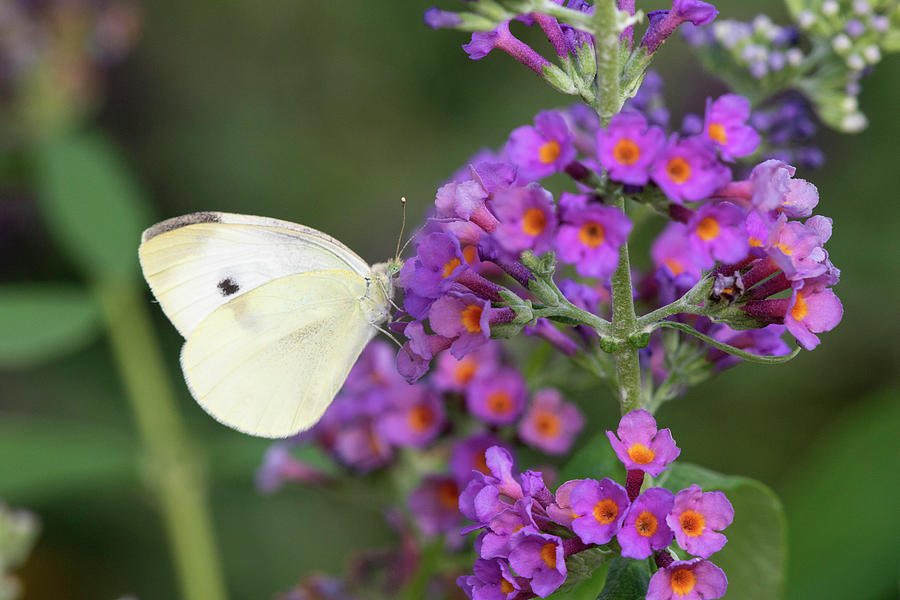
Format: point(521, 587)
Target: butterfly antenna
point(402, 229)
point(389, 334)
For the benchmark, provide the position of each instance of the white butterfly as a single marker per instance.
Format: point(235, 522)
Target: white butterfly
point(274, 314)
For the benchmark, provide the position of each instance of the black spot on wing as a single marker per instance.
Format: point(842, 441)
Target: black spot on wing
point(179, 222)
point(228, 287)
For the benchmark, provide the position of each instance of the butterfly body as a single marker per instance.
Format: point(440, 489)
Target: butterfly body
point(274, 314)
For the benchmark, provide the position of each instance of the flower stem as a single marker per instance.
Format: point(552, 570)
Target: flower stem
point(624, 325)
point(606, 42)
point(172, 468)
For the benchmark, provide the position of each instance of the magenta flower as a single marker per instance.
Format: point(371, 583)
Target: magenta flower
point(550, 423)
point(495, 543)
point(725, 124)
point(540, 558)
point(689, 170)
point(644, 528)
point(468, 319)
point(527, 219)
point(590, 236)
point(492, 580)
point(628, 147)
point(500, 38)
point(374, 368)
point(468, 455)
point(499, 398)
point(541, 150)
point(600, 508)
point(664, 22)
point(695, 579)
point(717, 232)
point(279, 465)
point(455, 374)
point(465, 200)
point(435, 505)
point(415, 356)
point(813, 308)
point(640, 446)
point(560, 510)
point(697, 517)
point(673, 256)
point(440, 19)
point(797, 249)
point(414, 418)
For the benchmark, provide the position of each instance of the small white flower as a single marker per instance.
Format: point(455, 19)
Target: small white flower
point(794, 56)
point(841, 43)
point(806, 19)
point(872, 54)
point(861, 7)
point(830, 8)
point(854, 122)
point(850, 104)
point(856, 62)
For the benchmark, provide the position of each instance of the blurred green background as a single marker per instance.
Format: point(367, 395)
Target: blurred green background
point(325, 113)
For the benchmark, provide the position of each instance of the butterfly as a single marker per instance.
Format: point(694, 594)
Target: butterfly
point(274, 314)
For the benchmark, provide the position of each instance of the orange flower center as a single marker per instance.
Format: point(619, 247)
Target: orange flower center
point(481, 463)
point(801, 308)
point(626, 152)
point(465, 371)
point(506, 587)
point(448, 495)
point(471, 318)
point(682, 581)
point(450, 266)
point(591, 234)
point(676, 267)
point(678, 170)
point(787, 251)
point(534, 221)
point(606, 511)
point(548, 554)
point(470, 253)
point(755, 243)
point(549, 152)
point(646, 524)
point(420, 418)
point(547, 424)
point(708, 229)
point(499, 403)
point(717, 132)
point(641, 454)
point(692, 523)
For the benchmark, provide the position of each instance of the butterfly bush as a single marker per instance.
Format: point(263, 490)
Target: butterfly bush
point(531, 238)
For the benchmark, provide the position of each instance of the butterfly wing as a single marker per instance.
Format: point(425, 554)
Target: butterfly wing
point(198, 262)
point(270, 361)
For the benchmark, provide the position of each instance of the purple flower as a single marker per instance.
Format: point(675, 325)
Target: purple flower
point(541, 150)
point(590, 236)
point(499, 398)
point(540, 558)
point(468, 455)
point(415, 356)
point(628, 147)
point(481, 500)
point(797, 249)
point(645, 529)
point(689, 170)
point(725, 125)
point(466, 318)
point(455, 375)
point(813, 308)
point(551, 424)
point(499, 530)
point(415, 417)
point(359, 446)
point(664, 22)
point(438, 262)
point(673, 256)
point(527, 219)
point(375, 368)
point(435, 505)
point(600, 508)
point(440, 19)
point(279, 466)
point(483, 42)
point(465, 200)
point(640, 446)
point(492, 581)
point(771, 187)
point(697, 517)
point(694, 579)
point(560, 511)
point(717, 232)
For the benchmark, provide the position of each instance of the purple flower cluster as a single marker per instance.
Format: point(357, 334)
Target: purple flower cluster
point(527, 532)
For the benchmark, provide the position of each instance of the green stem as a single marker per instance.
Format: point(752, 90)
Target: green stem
point(606, 41)
point(624, 325)
point(689, 304)
point(173, 470)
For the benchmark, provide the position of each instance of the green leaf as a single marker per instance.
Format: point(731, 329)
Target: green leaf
point(627, 580)
point(595, 460)
point(93, 206)
point(586, 575)
point(42, 322)
point(754, 557)
point(842, 505)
